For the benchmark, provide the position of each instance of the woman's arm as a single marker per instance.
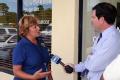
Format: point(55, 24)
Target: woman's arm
point(49, 69)
point(17, 70)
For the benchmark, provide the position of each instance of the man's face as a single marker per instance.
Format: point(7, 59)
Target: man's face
point(95, 21)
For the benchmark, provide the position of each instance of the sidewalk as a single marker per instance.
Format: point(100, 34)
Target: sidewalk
point(5, 76)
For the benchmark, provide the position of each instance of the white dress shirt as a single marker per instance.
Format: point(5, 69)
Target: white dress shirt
point(102, 55)
point(112, 72)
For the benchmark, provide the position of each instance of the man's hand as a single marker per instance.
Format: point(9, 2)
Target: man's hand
point(71, 65)
point(69, 68)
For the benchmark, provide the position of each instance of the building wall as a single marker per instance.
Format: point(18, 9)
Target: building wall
point(65, 36)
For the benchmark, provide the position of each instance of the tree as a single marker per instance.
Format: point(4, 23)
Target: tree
point(40, 7)
point(48, 14)
point(11, 17)
point(3, 8)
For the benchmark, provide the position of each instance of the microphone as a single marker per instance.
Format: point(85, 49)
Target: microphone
point(57, 60)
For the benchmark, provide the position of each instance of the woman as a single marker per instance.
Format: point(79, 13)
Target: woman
point(29, 57)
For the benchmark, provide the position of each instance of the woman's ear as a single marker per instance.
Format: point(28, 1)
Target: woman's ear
point(26, 24)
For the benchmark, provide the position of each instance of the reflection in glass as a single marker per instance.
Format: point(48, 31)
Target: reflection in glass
point(8, 32)
point(42, 9)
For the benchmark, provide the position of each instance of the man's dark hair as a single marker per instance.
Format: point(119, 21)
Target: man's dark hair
point(107, 11)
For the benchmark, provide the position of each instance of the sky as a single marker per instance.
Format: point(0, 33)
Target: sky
point(31, 4)
point(11, 3)
point(28, 5)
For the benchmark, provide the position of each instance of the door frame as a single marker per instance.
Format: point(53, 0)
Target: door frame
point(80, 33)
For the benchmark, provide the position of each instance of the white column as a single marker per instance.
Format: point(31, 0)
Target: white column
point(65, 35)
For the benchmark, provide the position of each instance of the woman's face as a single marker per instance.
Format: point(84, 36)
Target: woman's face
point(34, 31)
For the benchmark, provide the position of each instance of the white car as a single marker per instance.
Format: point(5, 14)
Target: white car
point(6, 30)
point(45, 33)
point(8, 41)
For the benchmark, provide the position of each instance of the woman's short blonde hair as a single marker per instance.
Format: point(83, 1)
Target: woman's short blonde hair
point(25, 22)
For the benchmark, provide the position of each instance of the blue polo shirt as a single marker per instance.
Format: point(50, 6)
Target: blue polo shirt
point(32, 57)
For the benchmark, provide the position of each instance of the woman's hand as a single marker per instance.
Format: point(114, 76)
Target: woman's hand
point(17, 70)
point(39, 74)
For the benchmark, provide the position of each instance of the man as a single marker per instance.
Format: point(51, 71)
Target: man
point(106, 46)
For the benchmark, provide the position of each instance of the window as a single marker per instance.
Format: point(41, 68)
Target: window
point(13, 39)
point(12, 31)
point(4, 38)
point(2, 31)
point(42, 9)
point(8, 12)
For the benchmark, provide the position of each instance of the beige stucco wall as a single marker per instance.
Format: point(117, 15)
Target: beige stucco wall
point(64, 35)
